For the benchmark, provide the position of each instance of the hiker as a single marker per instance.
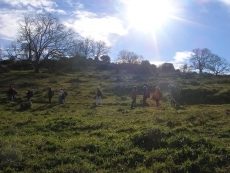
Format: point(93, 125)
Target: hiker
point(61, 96)
point(175, 93)
point(29, 94)
point(14, 92)
point(50, 94)
point(146, 95)
point(10, 94)
point(133, 95)
point(157, 96)
point(98, 96)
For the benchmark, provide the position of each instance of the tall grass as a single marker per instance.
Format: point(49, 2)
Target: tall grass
point(80, 137)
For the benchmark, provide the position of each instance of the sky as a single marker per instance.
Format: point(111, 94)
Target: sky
point(159, 30)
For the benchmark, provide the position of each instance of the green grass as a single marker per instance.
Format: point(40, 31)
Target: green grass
point(79, 137)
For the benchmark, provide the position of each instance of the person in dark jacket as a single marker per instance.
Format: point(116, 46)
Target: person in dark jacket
point(146, 95)
point(29, 94)
point(50, 94)
point(133, 95)
point(10, 93)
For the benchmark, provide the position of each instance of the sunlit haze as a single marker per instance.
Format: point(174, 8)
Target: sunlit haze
point(148, 15)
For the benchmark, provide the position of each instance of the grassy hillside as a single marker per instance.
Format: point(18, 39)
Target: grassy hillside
point(80, 137)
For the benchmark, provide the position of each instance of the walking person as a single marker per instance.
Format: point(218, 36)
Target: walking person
point(61, 97)
point(50, 94)
point(10, 94)
point(29, 94)
point(98, 96)
point(146, 95)
point(157, 96)
point(133, 95)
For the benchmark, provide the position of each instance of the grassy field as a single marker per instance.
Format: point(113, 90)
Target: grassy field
point(78, 137)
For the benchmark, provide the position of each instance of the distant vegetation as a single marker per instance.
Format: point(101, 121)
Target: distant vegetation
point(44, 41)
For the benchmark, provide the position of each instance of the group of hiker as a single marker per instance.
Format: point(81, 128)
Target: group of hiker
point(157, 96)
point(61, 95)
point(11, 92)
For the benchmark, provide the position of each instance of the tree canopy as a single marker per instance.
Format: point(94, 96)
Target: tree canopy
point(200, 58)
point(45, 37)
point(125, 56)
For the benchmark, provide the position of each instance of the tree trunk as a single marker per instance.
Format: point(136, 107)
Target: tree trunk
point(36, 67)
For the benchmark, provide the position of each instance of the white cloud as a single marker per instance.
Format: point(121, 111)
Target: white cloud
point(157, 63)
point(33, 3)
point(180, 59)
point(225, 1)
point(182, 56)
point(10, 21)
point(88, 24)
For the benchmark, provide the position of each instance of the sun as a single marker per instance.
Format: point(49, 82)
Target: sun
point(148, 15)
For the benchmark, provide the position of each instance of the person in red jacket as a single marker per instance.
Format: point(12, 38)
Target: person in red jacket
point(133, 95)
point(157, 96)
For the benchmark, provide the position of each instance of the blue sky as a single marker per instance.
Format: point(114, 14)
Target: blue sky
point(159, 30)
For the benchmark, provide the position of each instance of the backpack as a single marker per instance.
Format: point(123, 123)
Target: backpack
point(65, 93)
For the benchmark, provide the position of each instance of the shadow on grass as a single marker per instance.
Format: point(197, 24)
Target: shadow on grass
point(44, 107)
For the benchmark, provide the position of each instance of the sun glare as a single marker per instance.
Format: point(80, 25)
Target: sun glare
point(148, 15)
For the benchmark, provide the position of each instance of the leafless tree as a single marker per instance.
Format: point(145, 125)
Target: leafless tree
point(200, 58)
point(14, 51)
point(125, 56)
point(86, 47)
point(76, 49)
point(100, 48)
point(45, 35)
point(218, 65)
point(185, 68)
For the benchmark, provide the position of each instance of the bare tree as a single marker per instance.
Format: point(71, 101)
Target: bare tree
point(218, 65)
point(87, 47)
point(76, 49)
point(100, 48)
point(14, 51)
point(125, 56)
point(200, 58)
point(185, 68)
point(45, 36)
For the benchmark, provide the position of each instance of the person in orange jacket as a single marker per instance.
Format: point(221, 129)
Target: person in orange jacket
point(157, 96)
